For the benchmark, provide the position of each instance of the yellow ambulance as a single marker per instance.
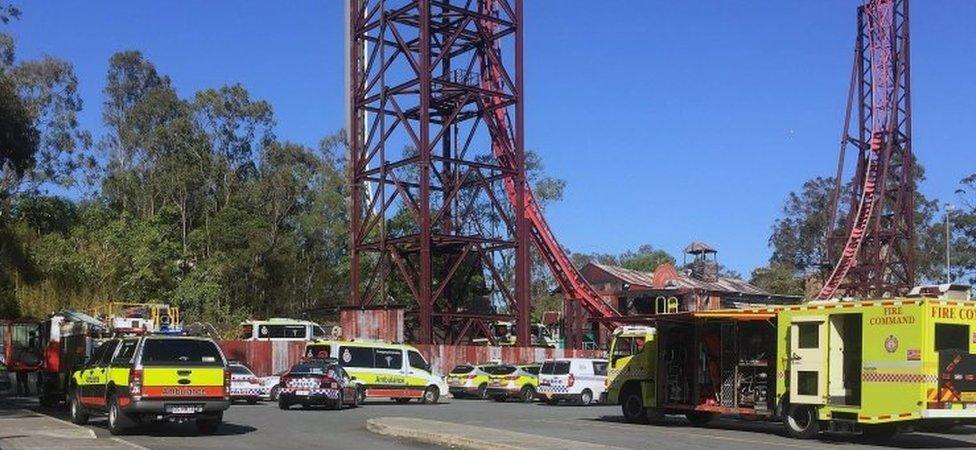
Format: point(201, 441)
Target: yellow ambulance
point(383, 369)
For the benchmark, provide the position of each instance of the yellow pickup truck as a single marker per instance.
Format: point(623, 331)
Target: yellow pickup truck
point(151, 378)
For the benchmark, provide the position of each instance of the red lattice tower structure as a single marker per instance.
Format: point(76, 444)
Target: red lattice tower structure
point(875, 253)
point(440, 210)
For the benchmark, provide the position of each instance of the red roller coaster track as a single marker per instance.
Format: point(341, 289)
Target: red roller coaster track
point(877, 255)
point(570, 281)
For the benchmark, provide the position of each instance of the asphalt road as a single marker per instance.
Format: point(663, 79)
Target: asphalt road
point(265, 426)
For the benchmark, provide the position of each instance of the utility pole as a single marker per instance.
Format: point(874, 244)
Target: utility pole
point(948, 236)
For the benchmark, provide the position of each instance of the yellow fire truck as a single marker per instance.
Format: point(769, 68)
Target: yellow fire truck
point(871, 367)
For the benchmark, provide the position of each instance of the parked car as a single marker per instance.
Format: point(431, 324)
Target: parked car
point(244, 385)
point(144, 379)
point(468, 380)
point(577, 380)
point(318, 382)
point(507, 381)
point(273, 384)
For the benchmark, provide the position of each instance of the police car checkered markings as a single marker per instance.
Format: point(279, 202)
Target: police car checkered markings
point(325, 392)
point(303, 382)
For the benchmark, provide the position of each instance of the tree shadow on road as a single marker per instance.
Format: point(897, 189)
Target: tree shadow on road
point(903, 440)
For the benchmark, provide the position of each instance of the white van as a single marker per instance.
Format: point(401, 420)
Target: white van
point(577, 380)
point(281, 329)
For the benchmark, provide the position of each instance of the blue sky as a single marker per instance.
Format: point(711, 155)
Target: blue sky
point(670, 121)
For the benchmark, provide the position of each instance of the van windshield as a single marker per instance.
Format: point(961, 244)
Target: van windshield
point(500, 370)
point(181, 352)
point(462, 369)
point(555, 368)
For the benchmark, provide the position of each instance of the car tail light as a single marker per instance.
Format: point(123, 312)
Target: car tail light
point(329, 383)
point(226, 384)
point(570, 381)
point(135, 382)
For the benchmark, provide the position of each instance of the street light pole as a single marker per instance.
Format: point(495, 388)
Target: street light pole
point(948, 210)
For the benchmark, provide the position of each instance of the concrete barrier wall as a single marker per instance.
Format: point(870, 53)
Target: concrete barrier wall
point(266, 358)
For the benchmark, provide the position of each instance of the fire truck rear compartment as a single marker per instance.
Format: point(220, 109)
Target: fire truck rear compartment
point(719, 365)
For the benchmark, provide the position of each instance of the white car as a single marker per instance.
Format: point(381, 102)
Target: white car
point(244, 385)
point(577, 380)
point(273, 384)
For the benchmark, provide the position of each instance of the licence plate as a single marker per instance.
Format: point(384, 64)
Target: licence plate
point(181, 409)
point(301, 392)
point(967, 396)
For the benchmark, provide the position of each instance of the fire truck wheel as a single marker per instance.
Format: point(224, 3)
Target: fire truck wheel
point(801, 422)
point(431, 395)
point(700, 418)
point(79, 415)
point(633, 406)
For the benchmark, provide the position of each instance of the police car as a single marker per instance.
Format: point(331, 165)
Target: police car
point(577, 380)
point(318, 382)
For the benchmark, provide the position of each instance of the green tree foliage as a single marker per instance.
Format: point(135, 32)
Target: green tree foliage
point(199, 205)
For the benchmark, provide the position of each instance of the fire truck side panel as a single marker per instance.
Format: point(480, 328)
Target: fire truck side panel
point(880, 359)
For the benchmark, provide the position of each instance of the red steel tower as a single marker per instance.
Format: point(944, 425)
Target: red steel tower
point(875, 251)
point(440, 209)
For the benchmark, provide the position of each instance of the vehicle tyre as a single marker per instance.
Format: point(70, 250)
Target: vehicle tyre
point(801, 422)
point(879, 434)
point(632, 405)
point(361, 393)
point(431, 394)
point(273, 395)
point(700, 418)
point(355, 400)
point(118, 422)
point(586, 397)
point(401, 400)
point(79, 414)
point(283, 404)
point(483, 391)
point(552, 401)
point(209, 425)
point(527, 394)
point(338, 403)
